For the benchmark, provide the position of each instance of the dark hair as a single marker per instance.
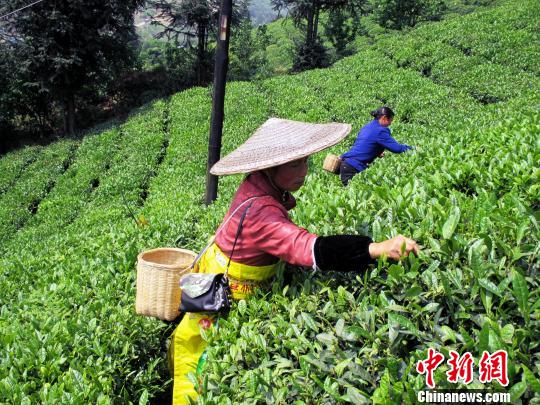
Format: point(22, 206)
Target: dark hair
point(382, 112)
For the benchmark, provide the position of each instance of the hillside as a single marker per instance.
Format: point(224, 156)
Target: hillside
point(283, 34)
point(466, 91)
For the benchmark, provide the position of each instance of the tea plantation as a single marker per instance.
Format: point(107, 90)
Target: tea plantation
point(75, 214)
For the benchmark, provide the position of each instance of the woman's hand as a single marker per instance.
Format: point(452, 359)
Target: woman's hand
point(395, 248)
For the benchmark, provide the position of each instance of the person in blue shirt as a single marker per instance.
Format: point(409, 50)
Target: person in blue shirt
point(373, 139)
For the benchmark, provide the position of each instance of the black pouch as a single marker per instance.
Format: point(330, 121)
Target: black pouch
point(203, 292)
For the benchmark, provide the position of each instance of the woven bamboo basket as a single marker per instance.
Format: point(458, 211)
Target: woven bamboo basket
point(158, 281)
point(332, 163)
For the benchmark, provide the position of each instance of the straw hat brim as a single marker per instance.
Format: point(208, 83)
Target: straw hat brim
point(279, 141)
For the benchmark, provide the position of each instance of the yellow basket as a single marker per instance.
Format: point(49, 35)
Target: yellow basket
point(158, 281)
point(332, 163)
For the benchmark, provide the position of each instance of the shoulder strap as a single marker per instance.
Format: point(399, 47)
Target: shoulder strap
point(223, 226)
point(240, 226)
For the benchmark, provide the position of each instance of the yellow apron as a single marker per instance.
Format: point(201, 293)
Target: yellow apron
point(187, 345)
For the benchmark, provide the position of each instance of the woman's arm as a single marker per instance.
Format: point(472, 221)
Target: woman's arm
point(275, 234)
point(386, 141)
point(278, 236)
point(342, 252)
point(355, 252)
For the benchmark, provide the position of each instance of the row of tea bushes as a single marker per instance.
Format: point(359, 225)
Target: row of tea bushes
point(13, 164)
point(20, 202)
point(67, 324)
point(506, 35)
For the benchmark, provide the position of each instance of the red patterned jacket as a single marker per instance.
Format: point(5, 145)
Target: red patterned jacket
point(267, 234)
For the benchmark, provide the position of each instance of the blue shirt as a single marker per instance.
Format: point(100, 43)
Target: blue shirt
point(372, 140)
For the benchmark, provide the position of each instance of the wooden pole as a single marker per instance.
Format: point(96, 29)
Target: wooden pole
point(220, 78)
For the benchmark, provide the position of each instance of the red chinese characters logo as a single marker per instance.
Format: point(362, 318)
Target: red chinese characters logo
point(494, 367)
point(491, 367)
point(460, 367)
point(429, 365)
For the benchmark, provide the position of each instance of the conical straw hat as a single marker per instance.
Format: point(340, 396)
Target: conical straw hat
point(279, 141)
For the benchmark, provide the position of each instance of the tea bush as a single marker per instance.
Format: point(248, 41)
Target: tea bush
point(13, 164)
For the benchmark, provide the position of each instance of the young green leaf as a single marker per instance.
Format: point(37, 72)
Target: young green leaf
point(356, 396)
point(451, 223)
point(491, 287)
point(531, 379)
point(521, 293)
point(517, 390)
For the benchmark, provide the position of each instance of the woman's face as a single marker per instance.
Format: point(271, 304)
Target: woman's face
point(385, 121)
point(290, 176)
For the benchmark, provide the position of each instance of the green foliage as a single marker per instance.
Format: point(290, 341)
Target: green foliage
point(74, 350)
point(13, 164)
point(181, 66)
point(78, 47)
point(283, 35)
point(6, 97)
point(341, 29)
point(192, 25)
point(311, 53)
point(189, 22)
point(310, 56)
point(477, 66)
point(247, 54)
point(398, 14)
point(20, 201)
point(23, 103)
point(152, 54)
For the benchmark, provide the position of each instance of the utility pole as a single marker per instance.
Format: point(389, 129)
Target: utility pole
point(220, 78)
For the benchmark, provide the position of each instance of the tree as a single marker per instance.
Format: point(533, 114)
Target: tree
point(187, 21)
point(341, 29)
point(305, 14)
point(62, 48)
point(6, 98)
point(398, 14)
point(248, 51)
point(21, 97)
point(310, 56)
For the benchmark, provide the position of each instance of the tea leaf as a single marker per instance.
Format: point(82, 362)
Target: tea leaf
point(327, 338)
point(451, 223)
point(356, 396)
point(144, 398)
point(413, 291)
point(491, 287)
point(339, 326)
point(403, 322)
point(467, 339)
point(531, 379)
point(308, 319)
point(521, 293)
point(447, 334)
point(242, 306)
point(517, 390)
point(489, 339)
point(507, 333)
point(341, 366)
point(433, 266)
point(398, 308)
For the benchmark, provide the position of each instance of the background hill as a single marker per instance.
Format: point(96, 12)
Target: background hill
point(75, 214)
